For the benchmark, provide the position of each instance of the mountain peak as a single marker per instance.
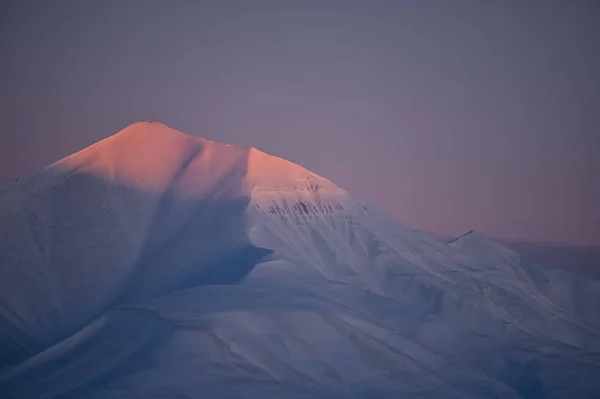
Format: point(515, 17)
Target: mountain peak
point(475, 242)
point(476, 239)
point(469, 235)
point(151, 130)
point(151, 155)
point(146, 124)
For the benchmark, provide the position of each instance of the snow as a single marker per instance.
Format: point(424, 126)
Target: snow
point(156, 264)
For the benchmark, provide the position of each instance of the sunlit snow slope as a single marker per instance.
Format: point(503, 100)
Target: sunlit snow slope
point(156, 264)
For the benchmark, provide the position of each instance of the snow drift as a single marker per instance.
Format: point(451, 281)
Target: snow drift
point(155, 264)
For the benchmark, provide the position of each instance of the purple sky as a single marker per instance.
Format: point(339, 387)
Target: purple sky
point(451, 115)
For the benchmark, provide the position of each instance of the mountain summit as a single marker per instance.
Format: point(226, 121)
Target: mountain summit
point(150, 155)
point(154, 263)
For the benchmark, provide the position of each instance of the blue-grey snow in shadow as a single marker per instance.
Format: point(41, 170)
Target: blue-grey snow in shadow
point(73, 253)
point(133, 294)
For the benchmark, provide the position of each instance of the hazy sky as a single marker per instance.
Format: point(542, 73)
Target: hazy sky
point(452, 115)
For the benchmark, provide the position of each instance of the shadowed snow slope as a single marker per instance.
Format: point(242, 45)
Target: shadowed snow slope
point(155, 264)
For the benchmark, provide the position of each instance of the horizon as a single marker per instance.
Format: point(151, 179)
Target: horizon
point(400, 104)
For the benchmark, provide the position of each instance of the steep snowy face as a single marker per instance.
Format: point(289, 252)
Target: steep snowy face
point(298, 214)
point(290, 193)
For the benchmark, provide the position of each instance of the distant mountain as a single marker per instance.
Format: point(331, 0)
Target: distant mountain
point(156, 264)
point(580, 259)
point(570, 257)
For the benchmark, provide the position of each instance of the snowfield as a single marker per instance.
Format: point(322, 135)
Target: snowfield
point(153, 264)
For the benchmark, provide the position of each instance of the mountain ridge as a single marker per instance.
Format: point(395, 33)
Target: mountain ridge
point(140, 134)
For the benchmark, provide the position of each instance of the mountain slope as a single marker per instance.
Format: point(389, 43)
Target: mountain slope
point(157, 264)
point(77, 234)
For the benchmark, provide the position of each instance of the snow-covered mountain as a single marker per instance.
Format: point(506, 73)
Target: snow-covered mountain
point(156, 264)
